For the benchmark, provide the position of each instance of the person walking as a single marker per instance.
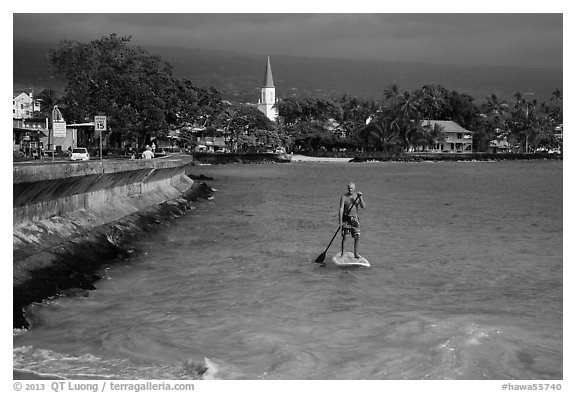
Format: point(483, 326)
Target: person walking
point(348, 216)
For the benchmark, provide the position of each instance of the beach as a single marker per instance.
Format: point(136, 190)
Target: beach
point(303, 158)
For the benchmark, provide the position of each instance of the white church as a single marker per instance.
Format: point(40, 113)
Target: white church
point(268, 95)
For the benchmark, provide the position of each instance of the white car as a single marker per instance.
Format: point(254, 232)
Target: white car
point(79, 153)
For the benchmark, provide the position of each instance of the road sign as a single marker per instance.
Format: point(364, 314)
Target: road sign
point(100, 123)
point(59, 129)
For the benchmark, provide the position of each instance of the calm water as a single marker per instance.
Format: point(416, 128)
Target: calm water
point(465, 283)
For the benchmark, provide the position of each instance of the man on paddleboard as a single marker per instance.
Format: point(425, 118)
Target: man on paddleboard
point(348, 216)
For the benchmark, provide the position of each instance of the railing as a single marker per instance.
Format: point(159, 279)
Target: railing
point(455, 139)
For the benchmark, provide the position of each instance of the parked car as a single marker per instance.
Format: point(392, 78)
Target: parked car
point(79, 153)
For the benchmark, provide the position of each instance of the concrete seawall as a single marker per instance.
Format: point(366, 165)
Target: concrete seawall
point(70, 219)
point(42, 192)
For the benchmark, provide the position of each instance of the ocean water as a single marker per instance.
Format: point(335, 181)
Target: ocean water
point(466, 282)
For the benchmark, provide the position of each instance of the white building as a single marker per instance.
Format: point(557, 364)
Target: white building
point(23, 105)
point(454, 137)
point(267, 98)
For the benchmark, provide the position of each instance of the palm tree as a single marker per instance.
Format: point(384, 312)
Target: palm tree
point(48, 99)
point(529, 121)
point(408, 105)
point(432, 102)
point(556, 111)
point(436, 134)
point(497, 114)
point(496, 106)
point(381, 136)
point(417, 137)
point(392, 94)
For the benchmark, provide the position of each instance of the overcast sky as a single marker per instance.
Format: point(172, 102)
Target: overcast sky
point(531, 40)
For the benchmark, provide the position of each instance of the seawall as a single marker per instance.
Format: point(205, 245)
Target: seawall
point(44, 191)
point(70, 219)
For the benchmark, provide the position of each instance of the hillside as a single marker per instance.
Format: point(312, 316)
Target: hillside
point(239, 76)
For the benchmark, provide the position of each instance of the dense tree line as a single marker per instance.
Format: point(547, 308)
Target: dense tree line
point(141, 98)
point(395, 125)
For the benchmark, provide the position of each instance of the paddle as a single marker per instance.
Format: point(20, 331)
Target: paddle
point(322, 256)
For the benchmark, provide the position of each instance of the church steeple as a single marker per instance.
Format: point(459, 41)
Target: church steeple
point(268, 81)
point(267, 101)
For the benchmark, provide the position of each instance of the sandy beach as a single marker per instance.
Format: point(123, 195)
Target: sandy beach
point(301, 158)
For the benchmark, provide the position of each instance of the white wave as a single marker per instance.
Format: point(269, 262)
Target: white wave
point(23, 373)
point(212, 370)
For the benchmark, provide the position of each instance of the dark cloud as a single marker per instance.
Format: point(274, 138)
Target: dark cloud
point(533, 40)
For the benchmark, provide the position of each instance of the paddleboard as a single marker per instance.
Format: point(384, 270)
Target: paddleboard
point(348, 260)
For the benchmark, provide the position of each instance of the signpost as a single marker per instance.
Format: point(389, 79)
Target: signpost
point(100, 125)
point(58, 129)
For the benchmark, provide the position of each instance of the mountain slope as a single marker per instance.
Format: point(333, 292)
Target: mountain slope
point(239, 76)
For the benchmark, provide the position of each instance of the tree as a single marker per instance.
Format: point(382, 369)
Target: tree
point(191, 105)
point(309, 136)
point(108, 77)
point(48, 98)
point(532, 125)
point(462, 109)
point(294, 110)
point(496, 118)
point(290, 111)
point(417, 136)
point(556, 110)
point(432, 102)
point(392, 94)
point(381, 137)
point(267, 138)
point(239, 121)
point(433, 135)
point(355, 114)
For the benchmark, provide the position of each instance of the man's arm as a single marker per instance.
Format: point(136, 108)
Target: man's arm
point(341, 210)
point(361, 201)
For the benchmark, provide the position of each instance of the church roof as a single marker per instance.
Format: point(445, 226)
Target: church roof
point(268, 81)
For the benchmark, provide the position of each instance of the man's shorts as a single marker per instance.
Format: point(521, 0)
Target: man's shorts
point(350, 226)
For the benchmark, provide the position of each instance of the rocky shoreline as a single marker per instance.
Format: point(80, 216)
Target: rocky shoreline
point(420, 156)
point(70, 267)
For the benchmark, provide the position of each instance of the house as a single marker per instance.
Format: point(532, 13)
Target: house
point(500, 146)
point(168, 142)
point(210, 144)
point(23, 105)
point(559, 132)
point(455, 139)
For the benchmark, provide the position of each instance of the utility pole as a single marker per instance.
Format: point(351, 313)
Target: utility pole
point(51, 131)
